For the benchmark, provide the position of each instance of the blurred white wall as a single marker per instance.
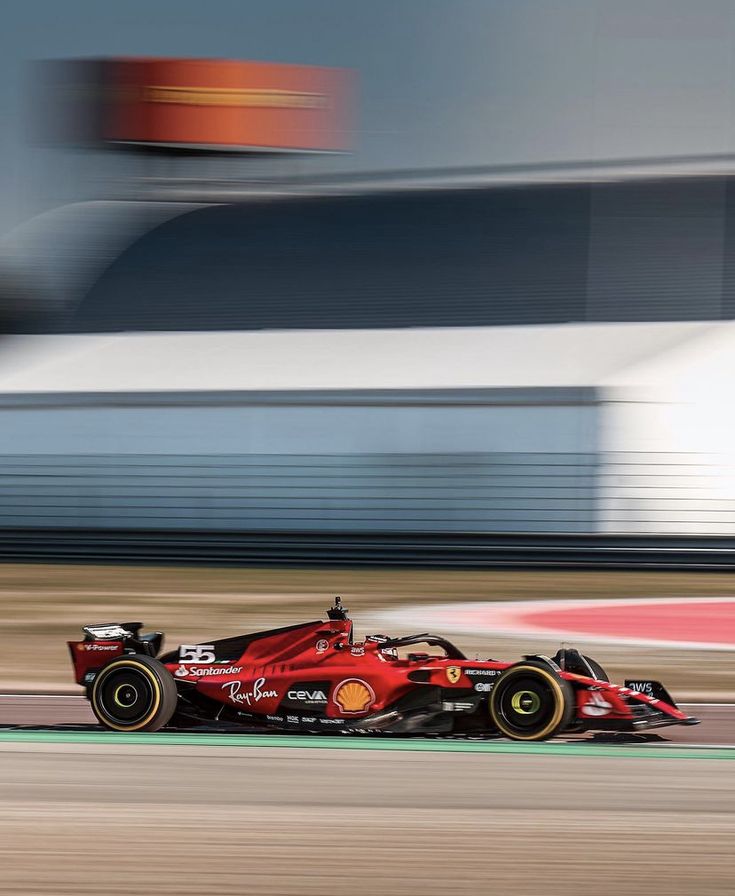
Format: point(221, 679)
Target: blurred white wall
point(668, 439)
point(576, 428)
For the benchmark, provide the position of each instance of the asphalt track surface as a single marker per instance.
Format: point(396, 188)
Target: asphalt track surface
point(152, 816)
point(52, 711)
point(87, 811)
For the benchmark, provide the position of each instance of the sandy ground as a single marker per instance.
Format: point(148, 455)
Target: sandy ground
point(186, 821)
point(41, 607)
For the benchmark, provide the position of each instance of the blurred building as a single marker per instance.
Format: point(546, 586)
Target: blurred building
point(543, 350)
point(386, 254)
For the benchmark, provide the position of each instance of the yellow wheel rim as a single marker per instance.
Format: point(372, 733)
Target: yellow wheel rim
point(553, 722)
point(118, 700)
point(525, 702)
point(102, 716)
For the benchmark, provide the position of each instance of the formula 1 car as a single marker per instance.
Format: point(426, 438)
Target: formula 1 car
point(314, 677)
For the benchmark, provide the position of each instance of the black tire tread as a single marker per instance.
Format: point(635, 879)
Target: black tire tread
point(168, 693)
point(564, 689)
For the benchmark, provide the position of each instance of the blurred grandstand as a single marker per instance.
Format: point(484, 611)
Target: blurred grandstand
point(542, 351)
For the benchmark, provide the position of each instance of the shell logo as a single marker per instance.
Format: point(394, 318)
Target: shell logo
point(353, 696)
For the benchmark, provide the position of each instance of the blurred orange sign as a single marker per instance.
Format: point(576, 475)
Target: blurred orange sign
point(223, 104)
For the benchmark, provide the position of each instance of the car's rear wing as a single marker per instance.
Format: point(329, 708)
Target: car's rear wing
point(104, 641)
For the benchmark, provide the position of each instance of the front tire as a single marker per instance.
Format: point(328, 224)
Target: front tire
point(134, 693)
point(531, 702)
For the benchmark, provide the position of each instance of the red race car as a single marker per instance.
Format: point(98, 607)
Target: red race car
point(314, 677)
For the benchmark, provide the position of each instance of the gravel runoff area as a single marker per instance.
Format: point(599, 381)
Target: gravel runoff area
point(43, 606)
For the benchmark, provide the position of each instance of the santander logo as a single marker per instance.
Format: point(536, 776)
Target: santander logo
point(597, 705)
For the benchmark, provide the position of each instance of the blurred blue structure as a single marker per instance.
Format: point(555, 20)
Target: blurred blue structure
point(478, 353)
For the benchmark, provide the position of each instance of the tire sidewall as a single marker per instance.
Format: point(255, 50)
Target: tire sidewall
point(161, 686)
point(562, 695)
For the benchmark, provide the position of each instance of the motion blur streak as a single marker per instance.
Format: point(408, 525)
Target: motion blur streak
point(271, 821)
point(45, 711)
point(427, 305)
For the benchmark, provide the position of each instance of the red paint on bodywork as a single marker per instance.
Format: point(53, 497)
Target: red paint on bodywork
point(317, 668)
point(89, 656)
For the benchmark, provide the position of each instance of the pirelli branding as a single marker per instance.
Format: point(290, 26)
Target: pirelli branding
point(238, 97)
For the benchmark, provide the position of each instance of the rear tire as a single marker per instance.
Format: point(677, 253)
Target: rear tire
point(134, 693)
point(531, 702)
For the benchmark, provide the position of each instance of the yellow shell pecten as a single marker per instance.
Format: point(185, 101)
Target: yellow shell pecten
point(353, 695)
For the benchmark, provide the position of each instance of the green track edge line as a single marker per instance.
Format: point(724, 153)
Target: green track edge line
point(323, 742)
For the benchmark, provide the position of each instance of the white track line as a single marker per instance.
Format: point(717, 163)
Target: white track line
point(46, 696)
point(678, 745)
point(710, 705)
